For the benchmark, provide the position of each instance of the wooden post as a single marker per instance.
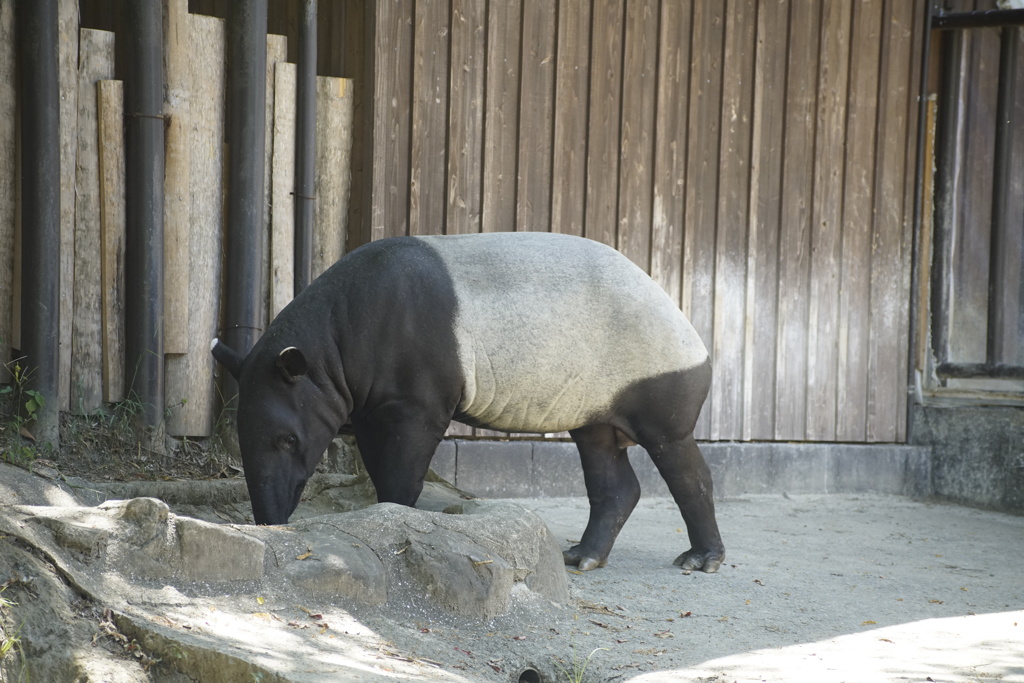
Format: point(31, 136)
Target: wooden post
point(177, 219)
point(282, 221)
point(96, 62)
point(110, 99)
point(190, 392)
point(67, 27)
point(277, 53)
point(333, 172)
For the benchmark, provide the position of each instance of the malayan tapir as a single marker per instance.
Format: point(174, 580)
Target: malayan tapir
point(517, 332)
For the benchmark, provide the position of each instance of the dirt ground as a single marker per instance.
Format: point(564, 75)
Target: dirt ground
point(814, 588)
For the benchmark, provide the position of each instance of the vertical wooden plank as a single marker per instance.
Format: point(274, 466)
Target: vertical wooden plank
point(671, 120)
point(763, 221)
point(731, 246)
point(604, 124)
point(8, 192)
point(794, 237)
point(429, 118)
point(177, 223)
point(536, 116)
point(190, 394)
point(466, 134)
point(67, 79)
point(501, 116)
point(334, 177)
point(886, 390)
point(636, 169)
point(391, 110)
point(465, 127)
point(358, 39)
point(110, 100)
point(277, 53)
point(858, 218)
point(282, 220)
point(96, 62)
point(903, 360)
point(572, 76)
point(702, 163)
point(827, 220)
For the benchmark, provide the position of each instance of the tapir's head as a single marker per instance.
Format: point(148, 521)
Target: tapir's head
point(285, 423)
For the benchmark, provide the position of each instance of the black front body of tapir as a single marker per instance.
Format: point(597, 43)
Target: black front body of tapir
point(531, 332)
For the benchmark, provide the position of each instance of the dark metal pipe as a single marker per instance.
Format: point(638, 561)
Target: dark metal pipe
point(40, 209)
point(945, 21)
point(144, 207)
point(998, 266)
point(305, 146)
point(243, 296)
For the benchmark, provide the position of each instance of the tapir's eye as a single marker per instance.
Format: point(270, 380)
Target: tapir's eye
point(286, 442)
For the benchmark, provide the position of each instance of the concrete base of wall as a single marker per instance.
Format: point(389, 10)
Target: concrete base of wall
point(521, 469)
point(977, 453)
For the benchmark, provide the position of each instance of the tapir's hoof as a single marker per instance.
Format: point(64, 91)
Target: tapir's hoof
point(707, 561)
point(576, 557)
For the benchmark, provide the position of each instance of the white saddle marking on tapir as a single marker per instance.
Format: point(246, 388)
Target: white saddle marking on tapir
point(551, 327)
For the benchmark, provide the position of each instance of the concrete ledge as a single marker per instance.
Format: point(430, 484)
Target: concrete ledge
point(521, 469)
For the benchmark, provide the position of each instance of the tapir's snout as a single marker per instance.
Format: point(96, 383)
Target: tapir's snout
point(274, 503)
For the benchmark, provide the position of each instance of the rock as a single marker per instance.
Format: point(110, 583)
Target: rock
point(339, 565)
point(213, 552)
point(468, 564)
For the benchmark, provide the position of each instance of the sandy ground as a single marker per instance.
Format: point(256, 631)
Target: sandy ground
point(814, 588)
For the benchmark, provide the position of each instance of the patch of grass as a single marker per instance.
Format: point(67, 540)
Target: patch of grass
point(575, 670)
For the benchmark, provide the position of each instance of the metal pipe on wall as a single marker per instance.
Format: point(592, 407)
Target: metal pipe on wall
point(40, 209)
point(243, 296)
point(144, 207)
point(305, 146)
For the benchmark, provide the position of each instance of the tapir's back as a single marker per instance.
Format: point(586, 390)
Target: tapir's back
point(551, 327)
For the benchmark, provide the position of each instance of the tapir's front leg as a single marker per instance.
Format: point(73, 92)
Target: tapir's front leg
point(397, 446)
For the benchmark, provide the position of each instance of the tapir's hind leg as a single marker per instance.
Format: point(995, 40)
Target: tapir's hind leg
point(689, 481)
point(613, 492)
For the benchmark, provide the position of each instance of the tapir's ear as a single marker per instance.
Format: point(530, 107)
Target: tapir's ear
point(227, 357)
point(291, 363)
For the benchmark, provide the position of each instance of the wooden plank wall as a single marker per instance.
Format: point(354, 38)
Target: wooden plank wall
point(754, 156)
